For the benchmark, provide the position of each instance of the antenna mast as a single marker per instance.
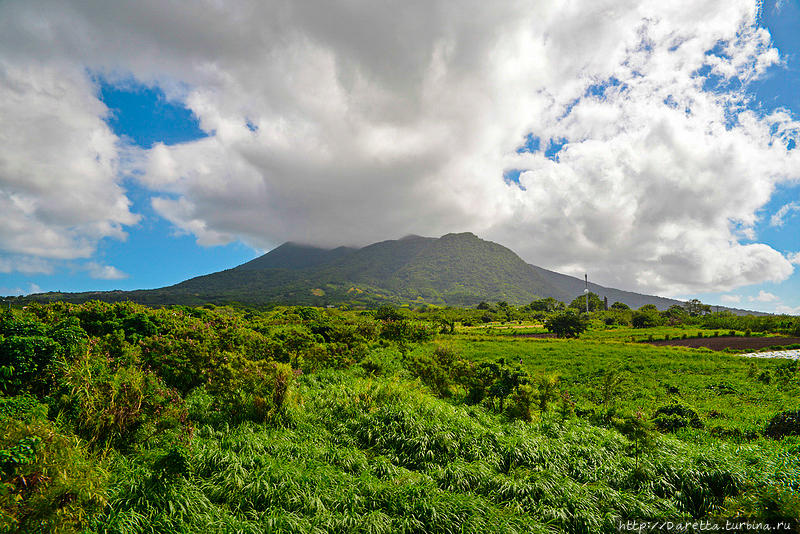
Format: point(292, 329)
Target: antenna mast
point(586, 290)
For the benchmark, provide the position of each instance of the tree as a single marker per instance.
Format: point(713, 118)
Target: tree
point(620, 306)
point(546, 305)
point(646, 319)
point(566, 324)
point(595, 302)
point(676, 312)
point(388, 313)
point(694, 308)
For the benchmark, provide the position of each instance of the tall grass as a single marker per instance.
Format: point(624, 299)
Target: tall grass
point(382, 455)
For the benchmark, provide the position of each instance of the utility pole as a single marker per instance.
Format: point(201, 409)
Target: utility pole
point(586, 291)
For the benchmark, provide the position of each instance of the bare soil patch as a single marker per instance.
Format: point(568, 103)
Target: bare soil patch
point(731, 342)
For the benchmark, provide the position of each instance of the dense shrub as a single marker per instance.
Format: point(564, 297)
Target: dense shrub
point(404, 332)
point(674, 417)
point(784, 424)
point(646, 319)
point(183, 361)
point(436, 369)
point(382, 361)
point(124, 406)
point(254, 390)
point(24, 361)
point(566, 324)
point(49, 482)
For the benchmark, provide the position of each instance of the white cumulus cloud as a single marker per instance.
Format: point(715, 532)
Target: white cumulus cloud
point(764, 296)
point(734, 299)
point(59, 191)
point(346, 123)
point(104, 272)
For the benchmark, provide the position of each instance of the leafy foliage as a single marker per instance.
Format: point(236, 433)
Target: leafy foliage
point(302, 419)
point(784, 424)
point(49, 481)
point(676, 416)
point(566, 324)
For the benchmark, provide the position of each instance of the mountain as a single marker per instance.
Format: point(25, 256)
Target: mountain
point(455, 269)
point(569, 285)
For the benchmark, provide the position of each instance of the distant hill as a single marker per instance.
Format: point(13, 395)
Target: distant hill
point(455, 269)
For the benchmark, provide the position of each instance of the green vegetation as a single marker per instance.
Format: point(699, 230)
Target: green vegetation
point(117, 418)
point(566, 324)
point(455, 270)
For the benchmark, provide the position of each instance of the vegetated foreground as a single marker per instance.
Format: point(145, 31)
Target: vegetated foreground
point(120, 418)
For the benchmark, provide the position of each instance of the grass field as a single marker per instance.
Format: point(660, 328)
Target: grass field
point(382, 455)
point(717, 385)
point(304, 420)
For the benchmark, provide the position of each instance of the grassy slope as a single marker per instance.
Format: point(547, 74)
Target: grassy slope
point(380, 455)
point(708, 381)
point(363, 453)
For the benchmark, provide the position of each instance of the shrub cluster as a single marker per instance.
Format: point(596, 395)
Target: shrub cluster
point(784, 424)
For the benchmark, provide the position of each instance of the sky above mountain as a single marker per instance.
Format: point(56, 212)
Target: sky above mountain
point(648, 143)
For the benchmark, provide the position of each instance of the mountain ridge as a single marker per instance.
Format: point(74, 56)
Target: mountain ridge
point(458, 269)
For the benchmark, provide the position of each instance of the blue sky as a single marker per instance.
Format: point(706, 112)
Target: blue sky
point(779, 89)
point(154, 254)
point(197, 151)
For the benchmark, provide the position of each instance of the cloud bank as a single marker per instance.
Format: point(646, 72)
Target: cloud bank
point(348, 123)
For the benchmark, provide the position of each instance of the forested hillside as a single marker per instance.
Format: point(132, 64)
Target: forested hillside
point(455, 269)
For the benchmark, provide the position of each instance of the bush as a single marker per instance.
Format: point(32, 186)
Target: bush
point(566, 324)
point(646, 319)
point(404, 332)
point(520, 402)
point(50, 482)
point(123, 407)
point(676, 416)
point(435, 370)
point(382, 361)
point(24, 360)
point(259, 391)
point(22, 408)
point(784, 424)
point(773, 501)
point(183, 363)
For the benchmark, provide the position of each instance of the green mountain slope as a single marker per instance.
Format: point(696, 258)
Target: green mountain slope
point(294, 256)
point(455, 269)
point(569, 285)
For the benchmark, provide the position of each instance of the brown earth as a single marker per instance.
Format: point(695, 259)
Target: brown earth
point(731, 342)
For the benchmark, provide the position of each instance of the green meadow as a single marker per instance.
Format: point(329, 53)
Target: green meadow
point(117, 418)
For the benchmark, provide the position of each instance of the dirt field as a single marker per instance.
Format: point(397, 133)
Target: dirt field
point(733, 342)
